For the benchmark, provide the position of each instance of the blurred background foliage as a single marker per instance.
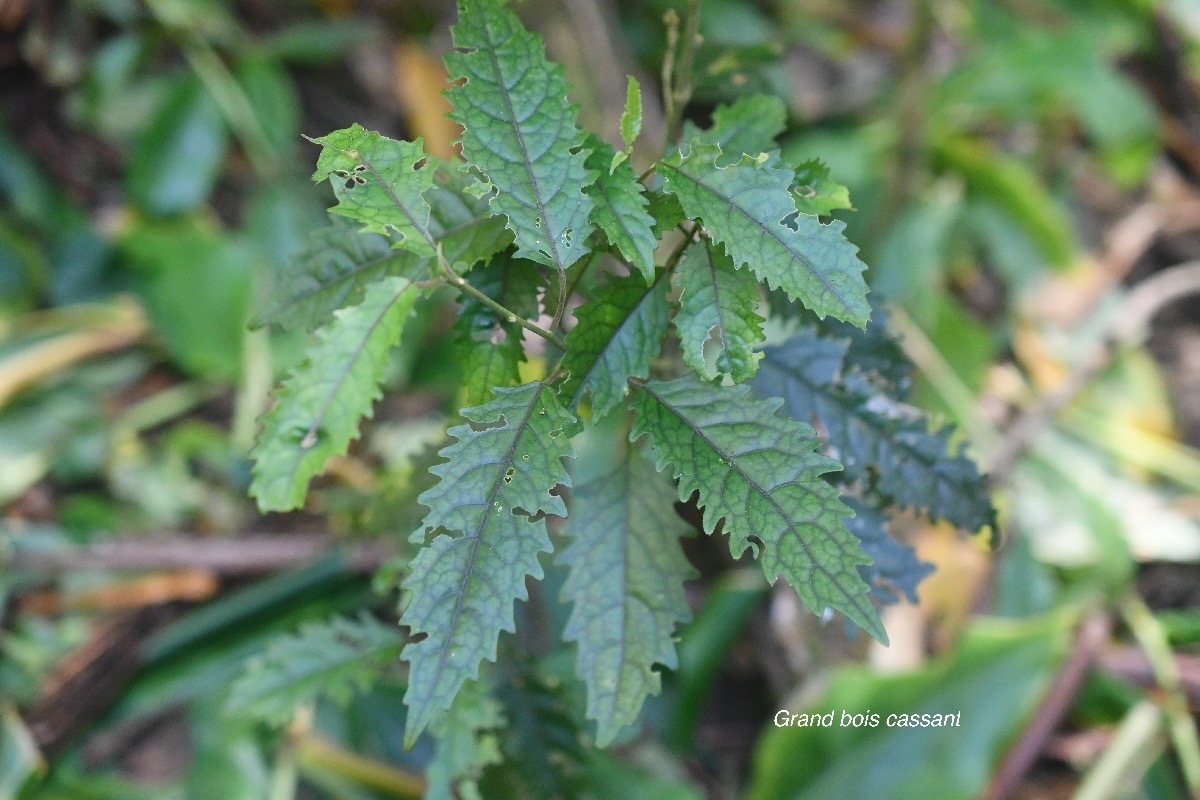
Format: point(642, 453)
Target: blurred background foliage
point(1024, 181)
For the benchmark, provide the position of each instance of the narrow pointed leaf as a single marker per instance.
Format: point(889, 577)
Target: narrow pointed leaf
point(759, 473)
point(616, 334)
point(620, 209)
point(626, 579)
point(717, 302)
point(872, 434)
point(318, 409)
point(493, 488)
point(519, 130)
point(331, 659)
point(377, 182)
point(631, 117)
point(748, 207)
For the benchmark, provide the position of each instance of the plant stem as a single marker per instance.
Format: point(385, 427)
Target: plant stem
point(689, 236)
point(1137, 743)
point(313, 752)
point(1149, 633)
point(910, 163)
point(462, 284)
point(677, 66)
point(569, 290)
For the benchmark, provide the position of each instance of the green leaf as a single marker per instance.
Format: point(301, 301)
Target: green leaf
point(543, 756)
point(329, 659)
point(178, 157)
point(631, 117)
point(493, 490)
point(620, 209)
point(616, 334)
point(749, 127)
point(194, 280)
point(815, 192)
point(875, 437)
point(274, 98)
point(519, 130)
point(759, 473)
point(333, 272)
point(464, 225)
point(317, 411)
point(626, 577)
point(342, 261)
point(748, 207)
point(717, 302)
point(468, 741)
point(490, 348)
point(895, 571)
point(666, 211)
point(20, 761)
point(378, 182)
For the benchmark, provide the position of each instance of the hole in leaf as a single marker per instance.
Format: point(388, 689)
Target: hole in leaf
point(756, 545)
point(477, 426)
point(508, 475)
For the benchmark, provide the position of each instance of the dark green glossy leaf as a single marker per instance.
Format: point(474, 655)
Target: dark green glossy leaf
point(178, 158)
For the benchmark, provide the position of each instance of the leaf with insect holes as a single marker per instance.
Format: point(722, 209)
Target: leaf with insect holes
point(815, 192)
point(748, 207)
point(626, 578)
point(875, 437)
point(717, 303)
point(749, 126)
point(329, 659)
point(520, 132)
point(379, 182)
point(758, 472)
point(494, 488)
point(342, 260)
point(620, 209)
point(319, 406)
point(617, 332)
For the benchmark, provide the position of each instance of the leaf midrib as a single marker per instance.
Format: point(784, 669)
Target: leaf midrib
point(577, 395)
point(551, 240)
point(477, 538)
point(803, 259)
point(732, 464)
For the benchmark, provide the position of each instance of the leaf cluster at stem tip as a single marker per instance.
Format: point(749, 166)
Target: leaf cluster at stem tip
point(663, 387)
